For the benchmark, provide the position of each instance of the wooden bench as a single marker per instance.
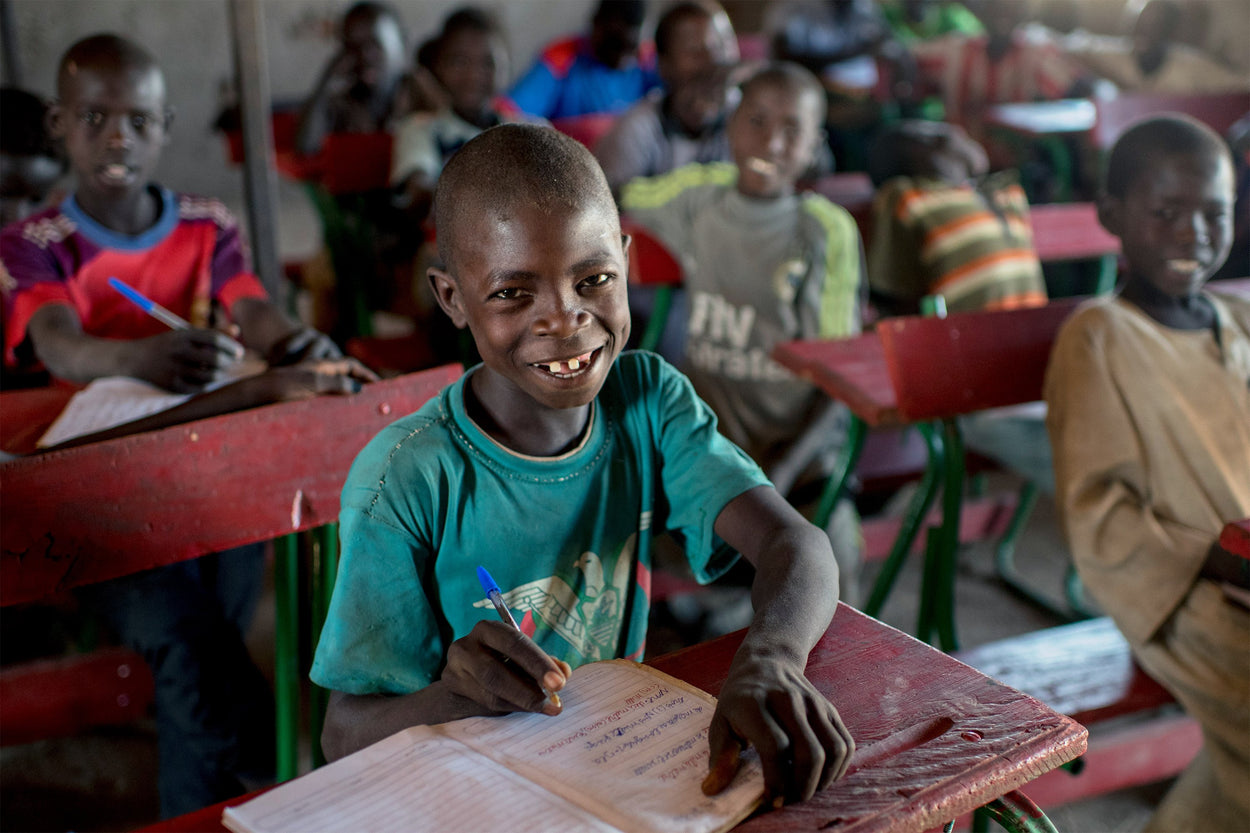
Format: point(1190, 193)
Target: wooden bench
point(99, 511)
point(1085, 670)
point(1216, 110)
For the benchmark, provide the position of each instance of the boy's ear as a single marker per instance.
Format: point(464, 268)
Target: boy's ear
point(1110, 212)
point(54, 121)
point(448, 294)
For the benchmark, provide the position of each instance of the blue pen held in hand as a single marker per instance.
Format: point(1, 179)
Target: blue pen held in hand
point(491, 589)
point(169, 319)
point(149, 306)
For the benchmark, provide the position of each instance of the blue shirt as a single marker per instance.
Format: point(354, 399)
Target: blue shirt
point(567, 80)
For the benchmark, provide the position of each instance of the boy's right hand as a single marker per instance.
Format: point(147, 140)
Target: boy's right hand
point(501, 669)
point(183, 361)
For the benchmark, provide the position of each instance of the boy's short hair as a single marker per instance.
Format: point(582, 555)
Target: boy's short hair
point(464, 19)
point(1163, 135)
point(103, 50)
point(629, 12)
point(369, 10)
point(675, 14)
point(793, 76)
point(514, 162)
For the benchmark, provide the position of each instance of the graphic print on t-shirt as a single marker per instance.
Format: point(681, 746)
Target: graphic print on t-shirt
point(590, 621)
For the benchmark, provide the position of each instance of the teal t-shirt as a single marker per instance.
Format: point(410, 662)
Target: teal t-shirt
point(568, 538)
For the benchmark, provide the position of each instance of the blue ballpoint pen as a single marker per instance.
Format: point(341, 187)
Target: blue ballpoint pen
point(491, 589)
point(149, 306)
point(169, 319)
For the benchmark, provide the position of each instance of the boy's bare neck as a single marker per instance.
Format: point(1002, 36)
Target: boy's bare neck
point(132, 214)
point(1188, 312)
point(519, 426)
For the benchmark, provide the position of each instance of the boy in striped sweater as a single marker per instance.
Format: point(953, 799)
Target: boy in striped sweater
point(942, 227)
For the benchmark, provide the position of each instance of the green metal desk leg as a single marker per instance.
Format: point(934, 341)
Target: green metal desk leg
point(324, 569)
point(937, 609)
point(659, 319)
point(835, 486)
point(1016, 813)
point(286, 654)
point(913, 519)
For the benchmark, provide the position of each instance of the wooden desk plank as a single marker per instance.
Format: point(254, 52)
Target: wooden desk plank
point(1236, 538)
point(1070, 231)
point(851, 370)
point(108, 509)
point(969, 361)
point(935, 738)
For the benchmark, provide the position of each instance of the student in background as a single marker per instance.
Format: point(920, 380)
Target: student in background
point(604, 71)
point(30, 166)
point(213, 706)
point(1153, 58)
point(942, 226)
point(764, 264)
point(552, 464)
point(359, 91)
point(685, 122)
point(1149, 398)
point(466, 62)
point(921, 20)
point(30, 163)
point(971, 72)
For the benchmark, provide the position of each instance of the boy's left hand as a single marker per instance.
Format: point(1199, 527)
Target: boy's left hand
point(768, 703)
point(305, 344)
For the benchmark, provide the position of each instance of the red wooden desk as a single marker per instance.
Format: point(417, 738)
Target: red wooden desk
point(925, 370)
point(108, 509)
point(1236, 537)
point(934, 738)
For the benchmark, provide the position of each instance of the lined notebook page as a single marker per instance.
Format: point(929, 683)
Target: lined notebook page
point(631, 745)
point(434, 785)
point(630, 748)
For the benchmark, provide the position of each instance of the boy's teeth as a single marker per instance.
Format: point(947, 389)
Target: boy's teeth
point(554, 367)
point(1183, 265)
point(761, 166)
point(574, 364)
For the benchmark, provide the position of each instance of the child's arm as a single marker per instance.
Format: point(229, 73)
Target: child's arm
point(267, 331)
point(314, 120)
point(179, 360)
point(767, 702)
point(493, 670)
point(282, 384)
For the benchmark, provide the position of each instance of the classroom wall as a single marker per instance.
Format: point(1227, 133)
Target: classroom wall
point(191, 40)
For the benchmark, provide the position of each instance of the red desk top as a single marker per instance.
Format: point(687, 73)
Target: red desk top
point(935, 738)
point(851, 370)
point(1236, 538)
point(107, 509)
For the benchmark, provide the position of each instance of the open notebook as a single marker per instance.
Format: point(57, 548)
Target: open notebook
point(628, 753)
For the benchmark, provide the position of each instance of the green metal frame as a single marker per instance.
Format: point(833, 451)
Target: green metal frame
point(1014, 812)
point(658, 320)
point(316, 550)
point(347, 235)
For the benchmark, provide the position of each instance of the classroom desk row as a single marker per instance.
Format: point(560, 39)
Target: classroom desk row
point(927, 372)
point(935, 739)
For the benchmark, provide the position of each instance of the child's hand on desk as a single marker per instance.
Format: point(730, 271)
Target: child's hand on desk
point(308, 379)
point(305, 344)
point(501, 669)
point(768, 703)
point(183, 361)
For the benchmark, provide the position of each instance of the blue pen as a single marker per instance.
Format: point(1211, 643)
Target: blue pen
point(491, 589)
point(149, 306)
